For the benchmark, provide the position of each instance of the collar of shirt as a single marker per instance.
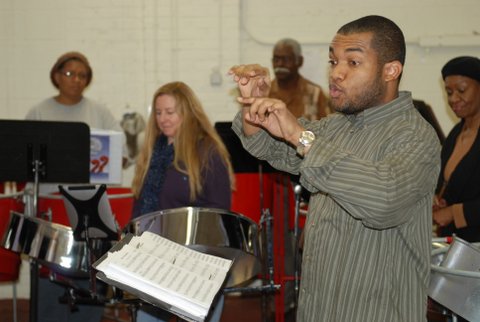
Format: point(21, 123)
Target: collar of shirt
point(379, 113)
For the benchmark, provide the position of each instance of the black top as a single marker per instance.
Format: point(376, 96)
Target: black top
point(463, 186)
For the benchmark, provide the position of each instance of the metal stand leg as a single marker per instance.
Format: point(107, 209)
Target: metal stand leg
point(33, 290)
point(297, 190)
point(133, 312)
point(38, 168)
point(14, 301)
point(266, 222)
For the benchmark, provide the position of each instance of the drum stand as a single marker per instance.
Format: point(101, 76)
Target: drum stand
point(75, 294)
point(266, 219)
point(298, 195)
point(38, 169)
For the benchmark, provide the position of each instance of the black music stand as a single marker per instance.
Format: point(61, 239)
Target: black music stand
point(62, 150)
point(242, 160)
point(43, 151)
point(89, 212)
point(91, 218)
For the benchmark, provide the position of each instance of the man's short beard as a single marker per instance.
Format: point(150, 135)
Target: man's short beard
point(370, 98)
point(348, 110)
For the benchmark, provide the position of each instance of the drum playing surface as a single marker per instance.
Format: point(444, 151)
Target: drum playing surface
point(212, 231)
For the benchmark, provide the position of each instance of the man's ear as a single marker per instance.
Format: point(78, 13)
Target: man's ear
point(300, 61)
point(392, 70)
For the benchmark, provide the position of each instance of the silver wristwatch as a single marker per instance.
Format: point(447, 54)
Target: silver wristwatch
point(306, 139)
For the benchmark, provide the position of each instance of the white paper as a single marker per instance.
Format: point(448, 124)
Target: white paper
point(170, 272)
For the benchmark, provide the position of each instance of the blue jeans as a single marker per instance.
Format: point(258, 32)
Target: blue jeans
point(164, 316)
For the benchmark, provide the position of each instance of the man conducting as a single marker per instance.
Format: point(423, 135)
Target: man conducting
point(371, 169)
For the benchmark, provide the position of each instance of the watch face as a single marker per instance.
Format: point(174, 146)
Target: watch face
point(307, 137)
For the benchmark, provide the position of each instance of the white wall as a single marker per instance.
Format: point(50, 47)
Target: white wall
point(435, 31)
point(135, 46)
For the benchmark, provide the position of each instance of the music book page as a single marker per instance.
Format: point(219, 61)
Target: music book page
point(172, 273)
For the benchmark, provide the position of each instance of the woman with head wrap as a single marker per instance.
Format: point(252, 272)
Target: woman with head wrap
point(457, 205)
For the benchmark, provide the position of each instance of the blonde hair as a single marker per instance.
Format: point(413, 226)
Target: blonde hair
point(195, 130)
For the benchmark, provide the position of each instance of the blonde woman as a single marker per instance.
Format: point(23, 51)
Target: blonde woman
point(183, 161)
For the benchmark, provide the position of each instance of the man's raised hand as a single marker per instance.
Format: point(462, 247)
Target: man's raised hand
point(253, 80)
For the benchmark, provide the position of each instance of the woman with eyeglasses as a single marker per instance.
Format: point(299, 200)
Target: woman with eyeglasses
point(71, 74)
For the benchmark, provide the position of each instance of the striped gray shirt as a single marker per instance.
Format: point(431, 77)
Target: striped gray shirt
point(368, 233)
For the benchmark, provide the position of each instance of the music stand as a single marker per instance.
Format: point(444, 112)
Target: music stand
point(90, 217)
point(63, 148)
point(43, 151)
point(89, 212)
point(242, 160)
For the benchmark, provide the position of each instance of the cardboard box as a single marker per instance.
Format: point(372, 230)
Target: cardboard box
point(106, 156)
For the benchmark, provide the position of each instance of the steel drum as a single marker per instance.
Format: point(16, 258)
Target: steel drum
point(9, 261)
point(51, 244)
point(212, 231)
point(455, 278)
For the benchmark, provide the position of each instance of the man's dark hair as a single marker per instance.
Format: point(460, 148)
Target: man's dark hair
point(388, 40)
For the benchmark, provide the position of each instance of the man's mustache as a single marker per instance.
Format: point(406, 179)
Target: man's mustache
point(282, 70)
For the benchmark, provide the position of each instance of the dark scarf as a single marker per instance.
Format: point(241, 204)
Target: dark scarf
point(162, 158)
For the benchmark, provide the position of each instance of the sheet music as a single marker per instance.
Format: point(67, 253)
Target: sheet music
point(168, 271)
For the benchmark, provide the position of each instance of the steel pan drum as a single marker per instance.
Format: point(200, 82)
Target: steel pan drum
point(212, 231)
point(9, 261)
point(455, 279)
point(51, 244)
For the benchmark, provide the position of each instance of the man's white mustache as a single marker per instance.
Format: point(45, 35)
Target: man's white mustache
point(283, 70)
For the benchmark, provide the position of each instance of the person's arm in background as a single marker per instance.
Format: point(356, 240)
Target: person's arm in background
point(465, 214)
point(444, 216)
point(322, 105)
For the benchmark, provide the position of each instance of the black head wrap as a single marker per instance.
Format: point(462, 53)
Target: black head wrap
point(464, 66)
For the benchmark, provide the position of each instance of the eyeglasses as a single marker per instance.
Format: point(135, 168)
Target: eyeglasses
point(70, 74)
